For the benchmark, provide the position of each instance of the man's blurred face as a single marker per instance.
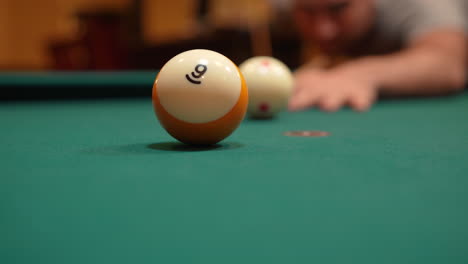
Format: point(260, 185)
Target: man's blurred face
point(334, 25)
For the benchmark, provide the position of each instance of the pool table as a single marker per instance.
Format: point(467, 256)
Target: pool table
point(87, 175)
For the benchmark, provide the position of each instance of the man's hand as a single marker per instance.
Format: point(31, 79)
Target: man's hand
point(433, 64)
point(331, 90)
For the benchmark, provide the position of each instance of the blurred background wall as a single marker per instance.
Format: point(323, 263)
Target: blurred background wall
point(133, 34)
point(28, 26)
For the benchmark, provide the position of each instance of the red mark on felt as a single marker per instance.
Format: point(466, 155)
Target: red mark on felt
point(264, 107)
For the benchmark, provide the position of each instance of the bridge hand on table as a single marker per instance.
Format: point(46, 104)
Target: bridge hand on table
point(331, 90)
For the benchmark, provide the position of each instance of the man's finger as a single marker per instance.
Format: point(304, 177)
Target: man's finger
point(332, 102)
point(362, 101)
point(304, 99)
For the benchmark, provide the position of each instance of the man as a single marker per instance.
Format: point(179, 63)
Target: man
point(394, 48)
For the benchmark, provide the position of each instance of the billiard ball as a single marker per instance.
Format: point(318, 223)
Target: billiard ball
point(200, 97)
point(270, 85)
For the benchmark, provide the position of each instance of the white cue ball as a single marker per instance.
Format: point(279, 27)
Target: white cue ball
point(270, 83)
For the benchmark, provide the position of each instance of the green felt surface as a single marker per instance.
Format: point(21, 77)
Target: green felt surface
point(101, 182)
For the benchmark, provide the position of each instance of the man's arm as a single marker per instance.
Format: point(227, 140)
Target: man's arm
point(433, 64)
